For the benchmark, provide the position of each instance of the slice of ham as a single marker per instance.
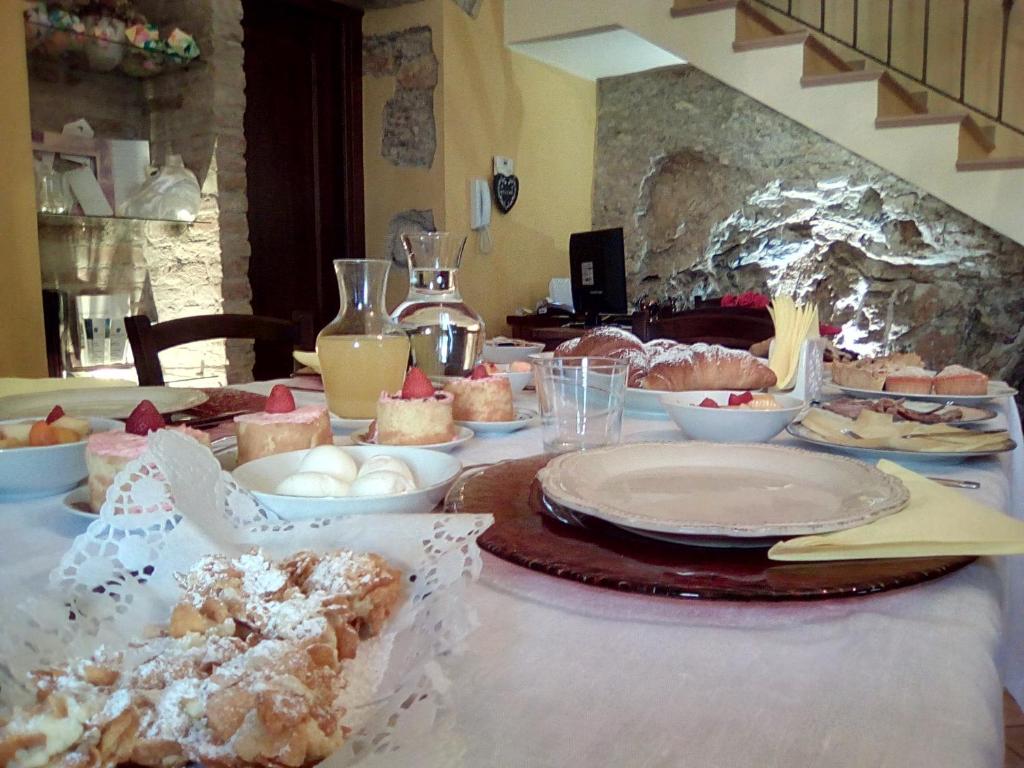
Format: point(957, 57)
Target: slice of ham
point(851, 407)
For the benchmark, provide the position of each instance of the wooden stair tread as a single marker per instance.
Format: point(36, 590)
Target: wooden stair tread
point(775, 41)
point(709, 7)
point(914, 121)
point(839, 78)
point(991, 164)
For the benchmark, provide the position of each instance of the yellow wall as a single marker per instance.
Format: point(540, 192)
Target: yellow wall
point(489, 101)
point(389, 189)
point(23, 352)
point(498, 102)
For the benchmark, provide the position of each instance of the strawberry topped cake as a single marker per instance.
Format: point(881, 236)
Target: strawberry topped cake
point(481, 397)
point(418, 415)
point(281, 427)
point(107, 453)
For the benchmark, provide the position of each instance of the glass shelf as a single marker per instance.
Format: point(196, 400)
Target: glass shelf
point(71, 220)
point(83, 51)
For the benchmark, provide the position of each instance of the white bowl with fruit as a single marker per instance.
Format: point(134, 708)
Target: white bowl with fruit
point(722, 416)
point(45, 456)
point(501, 349)
point(518, 373)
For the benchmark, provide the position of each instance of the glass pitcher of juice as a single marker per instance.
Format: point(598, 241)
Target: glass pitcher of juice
point(362, 352)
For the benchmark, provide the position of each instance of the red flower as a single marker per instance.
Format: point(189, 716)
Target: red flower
point(828, 330)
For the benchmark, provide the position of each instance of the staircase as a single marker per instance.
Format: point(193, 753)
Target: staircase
point(950, 153)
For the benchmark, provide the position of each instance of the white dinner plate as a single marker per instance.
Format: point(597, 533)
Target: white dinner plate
point(971, 414)
point(108, 402)
point(434, 474)
point(996, 390)
point(524, 418)
point(341, 424)
point(462, 435)
point(717, 489)
point(800, 432)
point(645, 403)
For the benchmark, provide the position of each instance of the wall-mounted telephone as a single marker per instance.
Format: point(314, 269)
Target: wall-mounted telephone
point(480, 212)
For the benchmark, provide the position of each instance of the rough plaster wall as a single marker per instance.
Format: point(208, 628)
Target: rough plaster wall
point(718, 193)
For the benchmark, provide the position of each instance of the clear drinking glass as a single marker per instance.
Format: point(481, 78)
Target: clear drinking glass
point(581, 401)
point(446, 335)
point(362, 352)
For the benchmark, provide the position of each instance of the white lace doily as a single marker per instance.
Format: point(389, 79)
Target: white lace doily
point(174, 505)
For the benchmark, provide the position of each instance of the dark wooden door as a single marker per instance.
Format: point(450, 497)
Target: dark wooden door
point(304, 166)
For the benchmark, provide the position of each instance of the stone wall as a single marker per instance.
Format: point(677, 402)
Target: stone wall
point(717, 193)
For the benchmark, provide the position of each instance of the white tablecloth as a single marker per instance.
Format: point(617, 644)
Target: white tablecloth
point(562, 674)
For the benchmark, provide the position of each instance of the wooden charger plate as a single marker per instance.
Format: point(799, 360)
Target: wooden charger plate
point(604, 555)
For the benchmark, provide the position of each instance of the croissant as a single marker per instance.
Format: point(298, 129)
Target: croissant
point(705, 366)
point(609, 341)
point(606, 341)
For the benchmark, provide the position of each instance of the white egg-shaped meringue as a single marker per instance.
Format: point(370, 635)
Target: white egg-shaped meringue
point(331, 460)
point(381, 483)
point(382, 463)
point(312, 485)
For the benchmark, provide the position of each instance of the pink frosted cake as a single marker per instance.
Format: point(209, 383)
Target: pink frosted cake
point(107, 453)
point(481, 397)
point(415, 416)
point(281, 427)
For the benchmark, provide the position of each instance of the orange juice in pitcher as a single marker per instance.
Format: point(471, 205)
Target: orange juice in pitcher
point(362, 351)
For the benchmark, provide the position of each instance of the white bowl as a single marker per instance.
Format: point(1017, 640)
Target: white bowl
point(27, 473)
point(516, 379)
point(434, 473)
point(728, 425)
point(510, 350)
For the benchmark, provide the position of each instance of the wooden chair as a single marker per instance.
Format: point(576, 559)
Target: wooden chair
point(276, 339)
point(733, 327)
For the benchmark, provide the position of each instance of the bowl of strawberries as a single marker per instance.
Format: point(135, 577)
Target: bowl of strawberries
point(731, 417)
point(45, 456)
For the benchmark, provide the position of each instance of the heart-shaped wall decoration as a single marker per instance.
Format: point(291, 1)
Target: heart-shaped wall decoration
point(506, 191)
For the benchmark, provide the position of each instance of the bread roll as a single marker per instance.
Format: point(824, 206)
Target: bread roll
point(705, 366)
point(609, 341)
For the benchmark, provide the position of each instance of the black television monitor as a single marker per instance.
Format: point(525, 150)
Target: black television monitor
point(597, 271)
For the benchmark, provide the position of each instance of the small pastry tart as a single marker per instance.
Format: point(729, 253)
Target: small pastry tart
point(107, 453)
point(265, 434)
point(910, 380)
point(487, 398)
point(959, 380)
point(415, 421)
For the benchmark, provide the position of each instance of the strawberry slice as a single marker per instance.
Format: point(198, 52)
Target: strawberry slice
point(280, 400)
point(417, 386)
point(707, 402)
point(479, 372)
point(741, 399)
point(144, 419)
point(55, 414)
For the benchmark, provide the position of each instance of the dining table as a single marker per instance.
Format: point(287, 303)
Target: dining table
point(562, 673)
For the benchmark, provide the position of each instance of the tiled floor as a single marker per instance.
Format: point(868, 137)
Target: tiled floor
point(1013, 723)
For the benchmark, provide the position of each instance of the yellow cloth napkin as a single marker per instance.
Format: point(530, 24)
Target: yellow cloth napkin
point(937, 521)
point(12, 386)
point(879, 430)
point(308, 359)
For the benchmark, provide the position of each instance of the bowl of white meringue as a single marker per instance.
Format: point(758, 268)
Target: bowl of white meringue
point(332, 480)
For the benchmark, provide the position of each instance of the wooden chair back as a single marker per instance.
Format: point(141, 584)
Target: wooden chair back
point(733, 327)
point(275, 338)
